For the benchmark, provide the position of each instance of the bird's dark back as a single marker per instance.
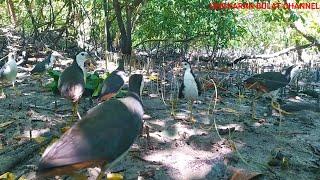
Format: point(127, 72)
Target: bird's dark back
point(271, 80)
point(72, 80)
point(104, 133)
point(41, 66)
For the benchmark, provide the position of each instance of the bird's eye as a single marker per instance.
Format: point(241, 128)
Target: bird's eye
point(82, 54)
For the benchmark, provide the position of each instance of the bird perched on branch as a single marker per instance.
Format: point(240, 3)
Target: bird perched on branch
point(113, 83)
point(271, 82)
point(8, 71)
point(101, 138)
point(72, 80)
point(190, 88)
point(41, 67)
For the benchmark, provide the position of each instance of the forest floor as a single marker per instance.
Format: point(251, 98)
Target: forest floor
point(272, 147)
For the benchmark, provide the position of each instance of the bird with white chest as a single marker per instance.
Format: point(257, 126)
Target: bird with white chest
point(8, 72)
point(190, 88)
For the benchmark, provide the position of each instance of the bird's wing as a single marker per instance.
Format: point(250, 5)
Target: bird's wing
point(181, 95)
point(98, 136)
point(112, 84)
point(71, 83)
point(41, 66)
point(5, 69)
point(2, 63)
point(198, 86)
point(38, 68)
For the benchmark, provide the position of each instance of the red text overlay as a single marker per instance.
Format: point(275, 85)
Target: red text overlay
point(264, 5)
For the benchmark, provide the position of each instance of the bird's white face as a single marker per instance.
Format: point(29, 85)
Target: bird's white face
point(295, 71)
point(185, 65)
point(81, 58)
point(11, 56)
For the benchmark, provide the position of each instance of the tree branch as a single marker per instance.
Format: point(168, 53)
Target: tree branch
point(267, 56)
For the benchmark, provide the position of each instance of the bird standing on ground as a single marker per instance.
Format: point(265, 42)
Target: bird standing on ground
point(113, 83)
point(43, 66)
point(190, 88)
point(270, 82)
point(8, 71)
point(72, 80)
point(100, 138)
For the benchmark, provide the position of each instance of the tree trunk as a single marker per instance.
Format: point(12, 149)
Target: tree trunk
point(12, 13)
point(33, 20)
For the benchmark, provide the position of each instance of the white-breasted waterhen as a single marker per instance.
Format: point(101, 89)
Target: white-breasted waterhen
point(100, 138)
point(72, 81)
point(113, 83)
point(8, 71)
point(270, 82)
point(42, 67)
point(190, 88)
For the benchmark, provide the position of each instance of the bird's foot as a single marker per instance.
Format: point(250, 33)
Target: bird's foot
point(114, 176)
point(192, 119)
point(18, 93)
point(276, 106)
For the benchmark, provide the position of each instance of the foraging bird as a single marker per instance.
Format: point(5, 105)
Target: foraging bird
point(190, 87)
point(9, 70)
point(113, 83)
point(100, 138)
point(41, 67)
point(72, 80)
point(271, 82)
point(46, 64)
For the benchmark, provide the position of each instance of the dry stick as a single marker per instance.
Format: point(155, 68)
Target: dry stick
point(214, 107)
point(162, 90)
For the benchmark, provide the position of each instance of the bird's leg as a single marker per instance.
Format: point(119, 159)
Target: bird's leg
point(101, 174)
point(40, 82)
point(75, 112)
point(173, 106)
point(254, 107)
point(275, 105)
point(73, 115)
point(3, 96)
point(190, 109)
point(17, 92)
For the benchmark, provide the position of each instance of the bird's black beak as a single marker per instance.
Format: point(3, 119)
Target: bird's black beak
point(91, 62)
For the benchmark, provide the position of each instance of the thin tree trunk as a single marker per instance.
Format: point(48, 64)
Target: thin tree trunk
point(33, 20)
point(12, 12)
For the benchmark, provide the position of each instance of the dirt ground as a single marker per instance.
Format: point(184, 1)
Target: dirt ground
point(271, 147)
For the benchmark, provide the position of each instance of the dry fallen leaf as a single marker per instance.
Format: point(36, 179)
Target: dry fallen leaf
point(242, 174)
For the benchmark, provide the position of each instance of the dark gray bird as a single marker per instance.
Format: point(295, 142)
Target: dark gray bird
point(270, 83)
point(190, 88)
point(43, 66)
point(102, 137)
point(8, 71)
point(46, 64)
point(113, 83)
point(72, 80)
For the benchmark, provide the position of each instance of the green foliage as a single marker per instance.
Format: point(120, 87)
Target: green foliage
point(53, 85)
point(187, 20)
point(93, 83)
point(180, 23)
